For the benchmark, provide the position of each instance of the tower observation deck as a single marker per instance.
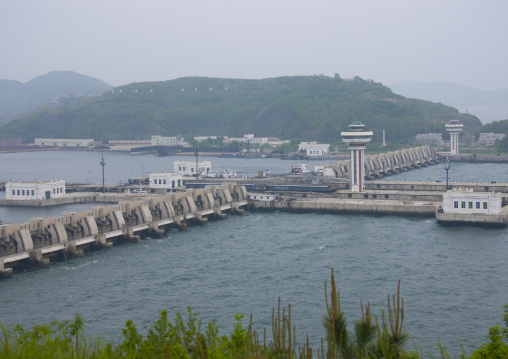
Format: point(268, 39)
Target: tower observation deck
point(357, 138)
point(454, 127)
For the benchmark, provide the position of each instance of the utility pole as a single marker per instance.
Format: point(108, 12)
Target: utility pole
point(197, 168)
point(103, 163)
point(447, 168)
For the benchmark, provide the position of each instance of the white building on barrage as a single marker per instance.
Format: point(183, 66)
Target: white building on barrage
point(165, 180)
point(466, 201)
point(35, 190)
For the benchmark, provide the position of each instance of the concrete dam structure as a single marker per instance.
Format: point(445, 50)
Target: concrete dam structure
point(386, 164)
point(32, 244)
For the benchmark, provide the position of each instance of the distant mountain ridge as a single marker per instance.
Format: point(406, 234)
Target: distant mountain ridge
point(17, 97)
point(291, 107)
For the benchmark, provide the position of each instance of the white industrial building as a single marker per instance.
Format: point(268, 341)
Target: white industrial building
point(64, 142)
point(314, 149)
point(188, 168)
point(166, 141)
point(165, 180)
point(466, 201)
point(259, 141)
point(35, 190)
point(489, 138)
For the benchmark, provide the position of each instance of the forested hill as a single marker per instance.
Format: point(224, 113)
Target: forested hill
point(300, 107)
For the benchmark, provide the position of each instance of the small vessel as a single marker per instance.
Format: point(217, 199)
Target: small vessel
point(213, 174)
point(264, 174)
point(229, 174)
point(299, 169)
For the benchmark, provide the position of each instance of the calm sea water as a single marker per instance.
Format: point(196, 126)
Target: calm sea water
point(454, 279)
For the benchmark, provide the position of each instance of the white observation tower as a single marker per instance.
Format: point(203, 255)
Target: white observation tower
point(454, 127)
point(357, 138)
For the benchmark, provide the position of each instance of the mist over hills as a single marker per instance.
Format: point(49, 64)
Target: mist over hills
point(488, 105)
point(450, 93)
point(293, 107)
point(54, 88)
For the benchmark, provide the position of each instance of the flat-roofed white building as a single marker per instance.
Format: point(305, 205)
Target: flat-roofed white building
point(35, 190)
point(188, 168)
point(489, 138)
point(259, 140)
point(277, 143)
point(165, 180)
point(466, 201)
point(204, 138)
point(262, 197)
point(166, 141)
point(313, 148)
point(64, 142)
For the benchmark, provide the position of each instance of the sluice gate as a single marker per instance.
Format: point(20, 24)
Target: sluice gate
point(386, 164)
point(32, 244)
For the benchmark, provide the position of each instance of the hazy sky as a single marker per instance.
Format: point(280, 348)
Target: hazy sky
point(124, 41)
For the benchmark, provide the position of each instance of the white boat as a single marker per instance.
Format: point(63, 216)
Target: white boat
point(299, 169)
point(225, 174)
point(229, 174)
point(213, 174)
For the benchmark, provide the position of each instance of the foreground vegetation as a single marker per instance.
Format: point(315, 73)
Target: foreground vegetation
point(185, 338)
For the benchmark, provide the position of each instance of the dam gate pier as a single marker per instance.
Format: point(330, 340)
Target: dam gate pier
point(32, 244)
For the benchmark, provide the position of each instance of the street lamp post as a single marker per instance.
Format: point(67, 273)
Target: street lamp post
point(103, 163)
point(447, 168)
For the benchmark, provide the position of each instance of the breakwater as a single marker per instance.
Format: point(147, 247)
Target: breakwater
point(479, 158)
point(32, 244)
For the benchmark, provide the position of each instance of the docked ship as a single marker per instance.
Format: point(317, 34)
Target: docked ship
point(299, 169)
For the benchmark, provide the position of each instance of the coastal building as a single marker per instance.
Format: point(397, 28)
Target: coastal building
point(188, 168)
point(253, 140)
point(165, 180)
point(275, 142)
point(489, 138)
point(204, 138)
point(259, 141)
point(64, 142)
point(248, 137)
point(454, 127)
point(34, 190)
point(130, 142)
point(458, 200)
point(314, 149)
point(166, 141)
point(357, 138)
